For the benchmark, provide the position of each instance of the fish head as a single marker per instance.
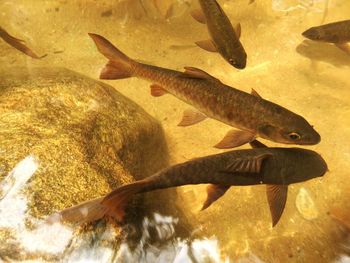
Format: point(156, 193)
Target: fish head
point(302, 165)
point(238, 63)
point(235, 56)
point(313, 33)
point(296, 131)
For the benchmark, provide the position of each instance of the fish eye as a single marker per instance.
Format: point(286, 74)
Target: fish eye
point(294, 136)
point(232, 62)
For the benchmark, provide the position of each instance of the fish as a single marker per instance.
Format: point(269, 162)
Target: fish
point(18, 44)
point(277, 168)
point(251, 114)
point(337, 33)
point(224, 39)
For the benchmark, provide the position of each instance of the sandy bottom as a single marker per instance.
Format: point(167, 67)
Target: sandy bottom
point(308, 78)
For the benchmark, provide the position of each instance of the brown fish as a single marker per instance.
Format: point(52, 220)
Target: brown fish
point(275, 167)
point(337, 33)
point(250, 113)
point(18, 44)
point(224, 39)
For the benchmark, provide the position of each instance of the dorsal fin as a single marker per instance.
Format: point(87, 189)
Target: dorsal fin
point(197, 73)
point(247, 165)
point(255, 93)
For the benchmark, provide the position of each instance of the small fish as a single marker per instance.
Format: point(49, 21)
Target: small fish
point(224, 38)
point(337, 33)
point(275, 167)
point(18, 44)
point(253, 115)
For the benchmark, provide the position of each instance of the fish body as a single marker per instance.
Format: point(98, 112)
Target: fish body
point(254, 115)
point(337, 33)
point(281, 166)
point(18, 44)
point(275, 167)
point(224, 38)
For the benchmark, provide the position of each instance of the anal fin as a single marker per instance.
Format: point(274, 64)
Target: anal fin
point(277, 198)
point(235, 138)
point(191, 117)
point(207, 45)
point(214, 192)
point(157, 91)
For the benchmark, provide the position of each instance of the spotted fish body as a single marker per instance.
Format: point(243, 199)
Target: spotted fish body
point(216, 100)
point(252, 114)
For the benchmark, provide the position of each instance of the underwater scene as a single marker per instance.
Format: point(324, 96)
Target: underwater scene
point(175, 131)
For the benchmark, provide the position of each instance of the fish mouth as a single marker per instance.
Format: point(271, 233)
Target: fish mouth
point(239, 64)
point(311, 33)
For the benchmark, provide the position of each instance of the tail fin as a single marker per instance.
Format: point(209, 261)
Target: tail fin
point(117, 200)
point(119, 65)
point(82, 213)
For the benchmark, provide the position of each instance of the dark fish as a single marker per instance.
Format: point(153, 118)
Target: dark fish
point(224, 39)
point(250, 113)
point(18, 44)
point(337, 33)
point(275, 167)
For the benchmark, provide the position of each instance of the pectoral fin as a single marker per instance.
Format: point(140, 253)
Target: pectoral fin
point(207, 45)
point(344, 46)
point(277, 197)
point(247, 165)
point(238, 30)
point(191, 117)
point(214, 192)
point(235, 138)
point(199, 16)
point(157, 91)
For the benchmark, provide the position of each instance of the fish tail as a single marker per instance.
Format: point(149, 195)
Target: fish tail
point(119, 65)
point(117, 200)
point(82, 213)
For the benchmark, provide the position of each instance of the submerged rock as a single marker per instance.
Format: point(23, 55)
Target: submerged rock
point(65, 139)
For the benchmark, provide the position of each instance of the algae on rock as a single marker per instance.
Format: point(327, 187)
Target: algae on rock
point(86, 137)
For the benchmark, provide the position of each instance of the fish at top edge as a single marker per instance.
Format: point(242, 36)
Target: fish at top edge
point(18, 44)
point(253, 115)
point(337, 33)
point(275, 167)
point(224, 38)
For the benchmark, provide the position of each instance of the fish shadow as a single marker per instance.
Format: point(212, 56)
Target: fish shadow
point(325, 52)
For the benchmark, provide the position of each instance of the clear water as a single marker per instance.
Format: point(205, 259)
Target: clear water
point(309, 78)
